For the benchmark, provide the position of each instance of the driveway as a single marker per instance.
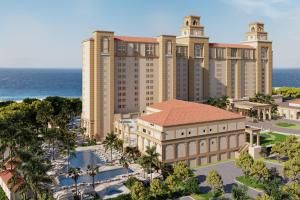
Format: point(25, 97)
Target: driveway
point(271, 125)
point(229, 172)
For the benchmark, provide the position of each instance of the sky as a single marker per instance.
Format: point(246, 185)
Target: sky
point(48, 34)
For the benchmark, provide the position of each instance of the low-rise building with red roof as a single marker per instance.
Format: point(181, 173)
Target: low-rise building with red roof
point(192, 132)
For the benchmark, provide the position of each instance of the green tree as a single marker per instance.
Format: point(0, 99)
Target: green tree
point(259, 171)
point(151, 158)
point(74, 173)
point(138, 191)
point(171, 183)
point(245, 162)
point(132, 152)
point(266, 99)
point(92, 171)
point(214, 180)
point(110, 142)
point(182, 171)
point(292, 188)
point(240, 192)
point(264, 197)
point(124, 161)
point(292, 169)
point(191, 186)
point(156, 188)
point(221, 102)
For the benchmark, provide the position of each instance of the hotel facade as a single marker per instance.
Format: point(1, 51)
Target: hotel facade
point(124, 74)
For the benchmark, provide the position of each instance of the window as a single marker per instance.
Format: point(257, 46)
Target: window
point(233, 53)
point(182, 133)
point(122, 48)
point(198, 50)
point(220, 52)
point(144, 130)
point(105, 45)
point(149, 50)
point(169, 47)
point(264, 53)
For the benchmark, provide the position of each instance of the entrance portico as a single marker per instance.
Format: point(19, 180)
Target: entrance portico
point(264, 111)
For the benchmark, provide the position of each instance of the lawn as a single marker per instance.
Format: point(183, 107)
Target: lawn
point(246, 180)
point(206, 196)
point(2, 195)
point(288, 125)
point(268, 138)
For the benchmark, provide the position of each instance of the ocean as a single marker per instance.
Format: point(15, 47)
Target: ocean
point(17, 84)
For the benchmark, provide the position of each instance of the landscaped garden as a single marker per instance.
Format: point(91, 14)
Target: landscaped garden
point(273, 185)
point(267, 138)
point(2, 195)
point(288, 125)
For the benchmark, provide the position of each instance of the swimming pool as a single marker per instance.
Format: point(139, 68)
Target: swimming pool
point(82, 159)
point(66, 181)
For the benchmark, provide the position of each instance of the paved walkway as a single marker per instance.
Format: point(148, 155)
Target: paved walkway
point(271, 125)
point(229, 172)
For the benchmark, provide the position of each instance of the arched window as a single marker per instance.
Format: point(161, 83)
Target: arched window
point(105, 45)
point(187, 23)
point(252, 29)
point(194, 22)
point(169, 48)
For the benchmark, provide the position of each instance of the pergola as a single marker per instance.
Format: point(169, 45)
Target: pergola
point(244, 107)
point(253, 131)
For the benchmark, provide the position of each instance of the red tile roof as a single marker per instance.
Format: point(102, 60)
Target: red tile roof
point(177, 112)
point(136, 39)
point(231, 45)
point(6, 176)
point(296, 101)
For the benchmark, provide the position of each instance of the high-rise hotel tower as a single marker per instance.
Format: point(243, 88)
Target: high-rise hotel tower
point(124, 74)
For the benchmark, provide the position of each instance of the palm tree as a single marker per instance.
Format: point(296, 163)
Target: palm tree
point(144, 162)
point(110, 143)
point(152, 156)
point(92, 171)
point(132, 152)
point(124, 162)
point(74, 173)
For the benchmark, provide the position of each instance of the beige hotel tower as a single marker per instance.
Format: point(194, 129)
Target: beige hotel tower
point(124, 74)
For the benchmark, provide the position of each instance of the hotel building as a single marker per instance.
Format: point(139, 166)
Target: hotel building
point(124, 74)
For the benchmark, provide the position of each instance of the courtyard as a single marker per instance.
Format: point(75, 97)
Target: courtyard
point(280, 126)
point(229, 172)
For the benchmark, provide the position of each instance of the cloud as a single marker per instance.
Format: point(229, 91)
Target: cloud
point(274, 9)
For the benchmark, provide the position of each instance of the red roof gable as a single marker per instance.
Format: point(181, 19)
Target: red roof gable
point(176, 112)
point(231, 45)
point(136, 39)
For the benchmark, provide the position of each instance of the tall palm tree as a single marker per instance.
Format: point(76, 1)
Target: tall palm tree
point(152, 157)
point(125, 163)
point(132, 152)
point(92, 171)
point(110, 142)
point(75, 173)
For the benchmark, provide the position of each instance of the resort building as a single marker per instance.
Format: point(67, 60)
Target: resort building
point(123, 74)
point(192, 132)
point(290, 110)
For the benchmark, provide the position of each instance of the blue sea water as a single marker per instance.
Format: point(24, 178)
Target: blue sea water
point(17, 84)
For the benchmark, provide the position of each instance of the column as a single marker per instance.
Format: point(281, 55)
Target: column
point(175, 151)
point(264, 114)
point(251, 138)
point(270, 113)
point(258, 139)
point(258, 113)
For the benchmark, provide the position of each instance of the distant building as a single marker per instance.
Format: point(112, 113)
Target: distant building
point(192, 132)
point(123, 74)
point(290, 110)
